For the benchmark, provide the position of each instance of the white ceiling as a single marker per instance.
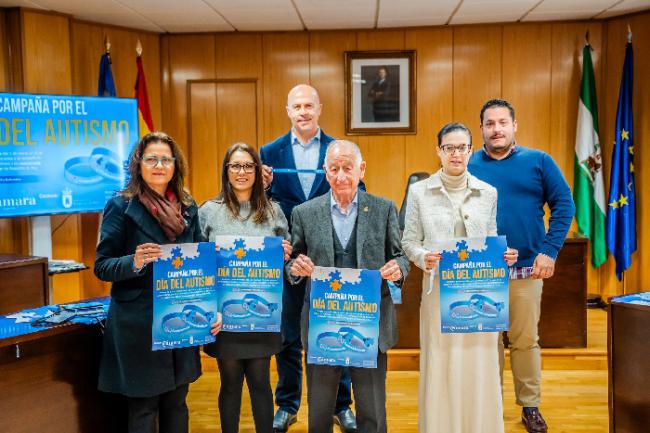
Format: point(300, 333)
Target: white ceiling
point(176, 16)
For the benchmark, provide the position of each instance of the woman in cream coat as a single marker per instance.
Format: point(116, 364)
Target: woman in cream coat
point(460, 389)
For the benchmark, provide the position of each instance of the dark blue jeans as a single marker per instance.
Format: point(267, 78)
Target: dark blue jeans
point(289, 361)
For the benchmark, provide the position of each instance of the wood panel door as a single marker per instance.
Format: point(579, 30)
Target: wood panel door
point(220, 113)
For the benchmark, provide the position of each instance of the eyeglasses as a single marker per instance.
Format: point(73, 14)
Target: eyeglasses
point(248, 168)
point(462, 149)
point(152, 161)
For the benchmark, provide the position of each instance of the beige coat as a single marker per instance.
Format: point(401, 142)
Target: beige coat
point(430, 215)
point(459, 386)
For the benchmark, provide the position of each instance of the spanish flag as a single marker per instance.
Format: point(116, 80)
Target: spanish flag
point(144, 111)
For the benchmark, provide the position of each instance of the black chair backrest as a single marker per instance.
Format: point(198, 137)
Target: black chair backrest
point(415, 177)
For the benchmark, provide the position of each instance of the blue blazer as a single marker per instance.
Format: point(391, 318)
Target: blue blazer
point(286, 189)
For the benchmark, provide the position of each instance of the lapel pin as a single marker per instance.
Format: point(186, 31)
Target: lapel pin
point(365, 209)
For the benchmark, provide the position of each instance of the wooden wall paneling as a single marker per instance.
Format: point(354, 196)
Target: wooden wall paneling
point(4, 61)
point(526, 81)
point(165, 85)
point(239, 56)
point(190, 57)
point(385, 154)
point(640, 25)
point(477, 73)
point(204, 152)
point(237, 110)
point(14, 29)
point(221, 114)
point(638, 273)
point(87, 46)
point(47, 68)
point(123, 54)
point(14, 232)
point(46, 53)
point(435, 96)
point(6, 224)
point(567, 42)
point(326, 75)
point(285, 60)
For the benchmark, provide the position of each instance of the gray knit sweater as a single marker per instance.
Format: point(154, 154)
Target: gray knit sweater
point(215, 220)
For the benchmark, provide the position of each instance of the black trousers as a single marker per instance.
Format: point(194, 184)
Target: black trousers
point(368, 386)
point(257, 374)
point(168, 411)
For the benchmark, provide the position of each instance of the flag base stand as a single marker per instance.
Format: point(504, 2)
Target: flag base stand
point(594, 300)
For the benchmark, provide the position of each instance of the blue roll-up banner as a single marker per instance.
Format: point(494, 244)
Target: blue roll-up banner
point(63, 154)
point(344, 317)
point(185, 299)
point(250, 278)
point(473, 285)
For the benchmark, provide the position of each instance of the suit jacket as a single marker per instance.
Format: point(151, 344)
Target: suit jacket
point(378, 241)
point(128, 365)
point(285, 188)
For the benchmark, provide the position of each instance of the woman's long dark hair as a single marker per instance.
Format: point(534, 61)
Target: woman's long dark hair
point(136, 183)
point(261, 206)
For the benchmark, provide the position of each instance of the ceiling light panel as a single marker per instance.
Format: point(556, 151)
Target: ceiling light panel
point(491, 11)
point(406, 13)
point(258, 15)
point(100, 11)
point(337, 14)
point(180, 16)
point(550, 10)
point(626, 7)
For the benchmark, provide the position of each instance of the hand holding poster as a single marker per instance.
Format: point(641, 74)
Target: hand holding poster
point(250, 279)
point(184, 295)
point(344, 317)
point(473, 285)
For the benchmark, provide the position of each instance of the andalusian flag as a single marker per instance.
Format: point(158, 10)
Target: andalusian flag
point(589, 188)
point(144, 111)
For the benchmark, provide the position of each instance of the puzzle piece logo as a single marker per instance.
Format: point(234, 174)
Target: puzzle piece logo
point(335, 284)
point(240, 251)
point(462, 253)
point(177, 255)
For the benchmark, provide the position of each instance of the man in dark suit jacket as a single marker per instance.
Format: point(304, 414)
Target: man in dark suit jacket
point(349, 228)
point(293, 174)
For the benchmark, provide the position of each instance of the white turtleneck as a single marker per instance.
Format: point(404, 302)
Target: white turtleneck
point(456, 187)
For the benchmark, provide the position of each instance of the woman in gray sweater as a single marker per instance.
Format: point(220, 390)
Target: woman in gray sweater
point(242, 208)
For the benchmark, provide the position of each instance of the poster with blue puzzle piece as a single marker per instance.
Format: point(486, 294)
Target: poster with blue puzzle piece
point(344, 317)
point(473, 285)
point(185, 298)
point(250, 279)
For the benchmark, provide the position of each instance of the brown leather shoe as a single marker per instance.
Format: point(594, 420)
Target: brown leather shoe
point(533, 421)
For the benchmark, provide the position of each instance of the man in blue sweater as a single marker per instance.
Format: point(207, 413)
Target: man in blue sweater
point(526, 180)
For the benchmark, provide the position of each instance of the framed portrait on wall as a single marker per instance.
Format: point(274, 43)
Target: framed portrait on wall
point(380, 92)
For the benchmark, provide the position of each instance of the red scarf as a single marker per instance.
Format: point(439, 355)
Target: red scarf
point(166, 210)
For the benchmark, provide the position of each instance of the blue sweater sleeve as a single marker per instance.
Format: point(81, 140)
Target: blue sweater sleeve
point(558, 196)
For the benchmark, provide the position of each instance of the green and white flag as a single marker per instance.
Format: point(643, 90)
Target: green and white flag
point(588, 185)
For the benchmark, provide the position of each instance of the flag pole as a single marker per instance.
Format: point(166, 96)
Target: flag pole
point(138, 48)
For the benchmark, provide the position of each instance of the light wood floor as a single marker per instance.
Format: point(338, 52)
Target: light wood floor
point(573, 399)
